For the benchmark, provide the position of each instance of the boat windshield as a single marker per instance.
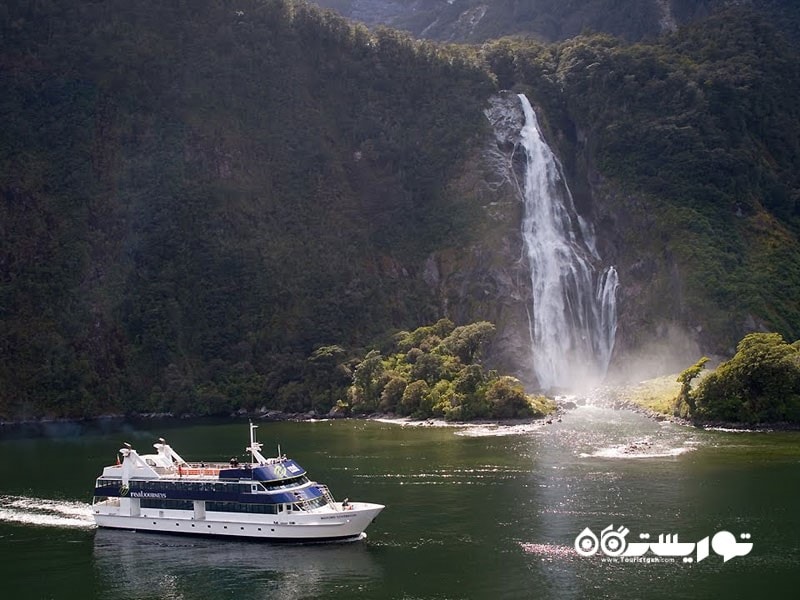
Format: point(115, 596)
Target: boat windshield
point(287, 483)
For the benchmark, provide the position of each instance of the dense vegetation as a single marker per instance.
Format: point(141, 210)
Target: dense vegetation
point(206, 206)
point(760, 384)
point(436, 371)
point(195, 196)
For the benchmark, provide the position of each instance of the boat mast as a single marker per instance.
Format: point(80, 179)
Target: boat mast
point(255, 447)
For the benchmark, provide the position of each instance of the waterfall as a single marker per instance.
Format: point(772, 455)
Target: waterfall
point(573, 320)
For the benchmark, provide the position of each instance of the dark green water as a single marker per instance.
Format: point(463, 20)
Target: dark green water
point(470, 513)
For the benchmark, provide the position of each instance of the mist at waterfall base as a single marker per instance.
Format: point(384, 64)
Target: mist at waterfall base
point(573, 317)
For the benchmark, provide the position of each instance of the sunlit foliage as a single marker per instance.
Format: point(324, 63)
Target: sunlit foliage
point(436, 371)
point(760, 384)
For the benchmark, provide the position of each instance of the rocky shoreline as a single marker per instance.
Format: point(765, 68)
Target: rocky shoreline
point(52, 426)
point(614, 402)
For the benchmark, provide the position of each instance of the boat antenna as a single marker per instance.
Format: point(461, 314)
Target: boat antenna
point(252, 441)
point(255, 447)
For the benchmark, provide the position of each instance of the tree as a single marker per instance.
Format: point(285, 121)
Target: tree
point(761, 383)
point(467, 341)
point(470, 383)
point(685, 379)
point(429, 335)
point(326, 376)
point(368, 383)
point(428, 367)
point(392, 393)
point(507, 399)
point(414, 398)
point(432, 379)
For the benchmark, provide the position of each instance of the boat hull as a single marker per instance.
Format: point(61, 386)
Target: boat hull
point(311, 527)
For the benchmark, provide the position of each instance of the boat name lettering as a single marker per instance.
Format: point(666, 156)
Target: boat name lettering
point(148, 495)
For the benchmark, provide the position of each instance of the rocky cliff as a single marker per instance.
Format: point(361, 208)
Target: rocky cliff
point(547, 20)
point(490, 278)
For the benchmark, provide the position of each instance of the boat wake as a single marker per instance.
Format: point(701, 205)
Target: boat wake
point(736, 430)
point(46, 513)
point(636, 450)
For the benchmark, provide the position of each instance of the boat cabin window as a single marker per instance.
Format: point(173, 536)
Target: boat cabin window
point(103, 483)
point(287, 483)
point(269, 509)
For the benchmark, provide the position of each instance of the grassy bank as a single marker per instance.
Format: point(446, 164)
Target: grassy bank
point(656, 395)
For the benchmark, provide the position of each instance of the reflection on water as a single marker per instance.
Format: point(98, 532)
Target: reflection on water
point(480, 475)
point(169, 566)
point(601, 467)
point(472, 512)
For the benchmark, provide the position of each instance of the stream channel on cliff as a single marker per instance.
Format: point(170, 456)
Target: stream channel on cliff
point(475, 511)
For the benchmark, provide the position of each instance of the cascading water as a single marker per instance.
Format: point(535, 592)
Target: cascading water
point(573, 321)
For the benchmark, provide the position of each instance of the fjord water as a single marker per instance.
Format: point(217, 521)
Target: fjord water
point(573, 320)
point(471, 512)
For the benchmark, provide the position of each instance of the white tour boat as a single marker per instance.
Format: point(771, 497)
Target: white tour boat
point(268, 498)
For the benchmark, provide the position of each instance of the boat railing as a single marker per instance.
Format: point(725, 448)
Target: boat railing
point(190, 470)
point(326, 492)
point(304, 505)
point(199, 470)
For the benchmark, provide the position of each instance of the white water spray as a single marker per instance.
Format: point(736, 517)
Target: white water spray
point(46, 513)
point(574, 315)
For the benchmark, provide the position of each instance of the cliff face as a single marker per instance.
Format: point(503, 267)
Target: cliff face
point(489, 278)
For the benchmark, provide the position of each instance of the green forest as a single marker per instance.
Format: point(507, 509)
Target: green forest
point(206, 207)
point(436, 371)
point(760, 384)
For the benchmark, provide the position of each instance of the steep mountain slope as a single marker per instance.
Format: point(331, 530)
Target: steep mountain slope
point(206, 206)
point(478, 20)
point(549, 20)
point(194, 196)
